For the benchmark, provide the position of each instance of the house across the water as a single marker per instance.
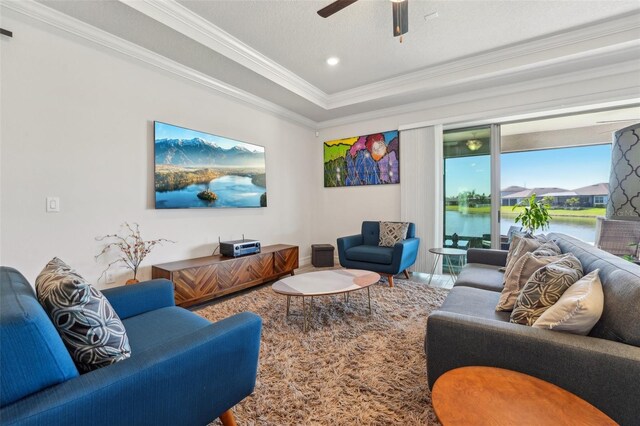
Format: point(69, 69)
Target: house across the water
point(587, 196)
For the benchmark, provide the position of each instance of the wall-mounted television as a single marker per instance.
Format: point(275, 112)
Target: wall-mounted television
point(199, 170)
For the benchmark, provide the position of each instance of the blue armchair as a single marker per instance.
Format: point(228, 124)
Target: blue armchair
point(183, 369)
point(361, 251)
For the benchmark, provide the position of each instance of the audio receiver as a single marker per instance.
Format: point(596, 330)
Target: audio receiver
point(239, 247)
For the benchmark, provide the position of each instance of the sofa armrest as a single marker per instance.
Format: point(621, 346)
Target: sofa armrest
point(189, 380)
point(602, 372)
point(345, 243)
point(136, 299)
point(487, 256)
point(405, 253)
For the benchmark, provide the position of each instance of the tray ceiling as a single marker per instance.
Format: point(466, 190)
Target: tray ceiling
point(293, 35)
point(276, 49)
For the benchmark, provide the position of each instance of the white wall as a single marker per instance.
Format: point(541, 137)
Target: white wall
point(77, 123)
point(340, 211)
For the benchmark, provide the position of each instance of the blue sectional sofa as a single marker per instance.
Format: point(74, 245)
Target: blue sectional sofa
point(183, 369)
point(361, 251)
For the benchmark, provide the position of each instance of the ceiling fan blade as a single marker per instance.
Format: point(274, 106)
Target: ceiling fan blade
point(400, 17)
point(334, 7)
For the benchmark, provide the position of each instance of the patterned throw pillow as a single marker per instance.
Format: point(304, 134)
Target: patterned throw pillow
point(515, 240)
point(90, 328)
point(522, 245)
point(548, 249)
point(542, 238)
point(544, 288)
point(392, 233)
point(578, 309)
point(518, 277)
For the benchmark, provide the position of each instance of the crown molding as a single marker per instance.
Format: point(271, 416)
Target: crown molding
point(525, 111)
point(486, 86)
point(88, 32)
point(629, 69)
point(592, 40)
point(183, 20)
point(583, 42)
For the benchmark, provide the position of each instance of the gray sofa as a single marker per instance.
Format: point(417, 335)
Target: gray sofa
point(603, 368)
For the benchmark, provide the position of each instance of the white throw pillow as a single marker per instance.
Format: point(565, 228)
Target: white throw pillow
point(578, 309)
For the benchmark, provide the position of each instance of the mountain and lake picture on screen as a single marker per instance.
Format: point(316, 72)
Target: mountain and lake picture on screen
point(200, 170)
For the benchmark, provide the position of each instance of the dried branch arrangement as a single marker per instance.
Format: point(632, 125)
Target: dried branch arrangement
point(132, 249)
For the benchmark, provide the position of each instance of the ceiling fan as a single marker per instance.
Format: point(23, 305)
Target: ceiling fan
point(400, 14)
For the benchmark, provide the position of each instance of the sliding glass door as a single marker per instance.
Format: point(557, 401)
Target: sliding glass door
point(467, 187)
point(486, 176)
point(564, 161)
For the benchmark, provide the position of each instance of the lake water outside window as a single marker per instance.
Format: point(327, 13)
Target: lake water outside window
point(467, 178)
point(565, 160)
point(573, 181)
point(468, 200)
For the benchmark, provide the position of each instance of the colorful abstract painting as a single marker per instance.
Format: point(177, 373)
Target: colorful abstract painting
point(365, 160)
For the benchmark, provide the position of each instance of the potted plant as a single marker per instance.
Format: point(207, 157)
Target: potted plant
point(534, 216)
point(131, 247)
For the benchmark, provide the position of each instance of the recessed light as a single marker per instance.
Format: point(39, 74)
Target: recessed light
point(333, 61)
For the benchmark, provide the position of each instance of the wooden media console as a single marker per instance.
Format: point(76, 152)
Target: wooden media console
point(205, 278)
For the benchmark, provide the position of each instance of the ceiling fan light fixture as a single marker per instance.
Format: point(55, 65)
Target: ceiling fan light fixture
point(474, 144)
point(333, 61)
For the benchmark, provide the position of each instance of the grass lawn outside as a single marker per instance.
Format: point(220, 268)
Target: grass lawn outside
point(472, 210)
point(508, 211)
point(590, 212)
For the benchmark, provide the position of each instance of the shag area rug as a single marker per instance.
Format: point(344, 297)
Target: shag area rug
point(350, 368)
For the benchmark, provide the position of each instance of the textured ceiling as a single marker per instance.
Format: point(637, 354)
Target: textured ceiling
point(293, 35)
point(290, 33)
point(124, 22)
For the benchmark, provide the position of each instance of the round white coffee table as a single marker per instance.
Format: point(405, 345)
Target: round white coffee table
point(324, 283)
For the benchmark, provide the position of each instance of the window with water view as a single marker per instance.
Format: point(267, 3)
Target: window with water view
point(467, 188)
point(572, 181)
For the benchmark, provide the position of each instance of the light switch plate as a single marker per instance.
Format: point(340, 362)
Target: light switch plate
point(53, 204)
